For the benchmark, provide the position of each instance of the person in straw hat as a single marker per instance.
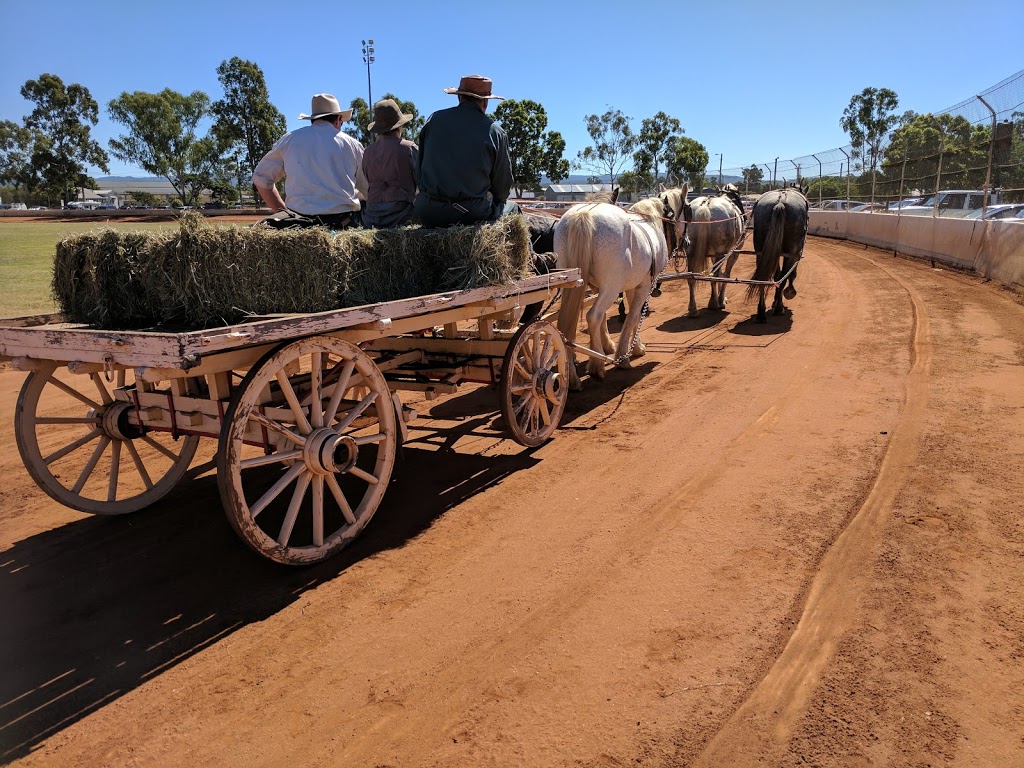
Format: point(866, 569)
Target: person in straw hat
point(319, 163)
point(391, 169)
point(465, 169)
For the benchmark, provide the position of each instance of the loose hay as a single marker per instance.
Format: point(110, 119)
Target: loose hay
point(205, 276)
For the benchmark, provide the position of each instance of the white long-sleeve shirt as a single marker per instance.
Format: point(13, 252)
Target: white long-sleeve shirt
point(319, 165)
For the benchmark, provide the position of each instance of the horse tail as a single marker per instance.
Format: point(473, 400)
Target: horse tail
point(575, 252)
point(768, 258)
point(697, 253)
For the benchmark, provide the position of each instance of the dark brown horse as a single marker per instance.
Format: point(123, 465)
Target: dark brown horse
point(780, 228)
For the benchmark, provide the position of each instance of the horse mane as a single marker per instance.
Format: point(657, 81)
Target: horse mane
point(603, 196)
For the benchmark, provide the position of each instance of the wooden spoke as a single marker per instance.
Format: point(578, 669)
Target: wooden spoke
point(354, 414)
point(68, 420)
point(139, 464)
point(293, 509)
point(370, 439)
point(293, 402)
point(90, 465)
point(101, 387)
point(156, 446)
point(339, 497)
point(316, 406)
point(115, 468)
point(363, 475)
point(74, 446)
point(276, 427)
point(273, 458)
point(545, 411)
point(74, 393)
point(339, 390)
point(276, 488)
point(318, 510)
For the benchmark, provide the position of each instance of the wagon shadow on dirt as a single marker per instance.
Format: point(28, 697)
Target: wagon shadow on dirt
point(135, 596)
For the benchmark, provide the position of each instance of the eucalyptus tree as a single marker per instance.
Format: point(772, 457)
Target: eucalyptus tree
point(869, 116)
point(655, 144)
point(534, 150)
point(613, 143)
point(246, 124)
point(687, 161)
point(16, 144)
point(162, 138)
point(62, 147)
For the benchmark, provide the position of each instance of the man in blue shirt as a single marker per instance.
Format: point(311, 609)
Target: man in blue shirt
point(465, 169)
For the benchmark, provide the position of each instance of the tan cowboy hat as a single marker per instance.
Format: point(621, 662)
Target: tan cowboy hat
point(323, 105)
point(474, 85)
point(387, 116)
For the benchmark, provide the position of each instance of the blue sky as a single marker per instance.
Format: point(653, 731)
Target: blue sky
point(749, 80)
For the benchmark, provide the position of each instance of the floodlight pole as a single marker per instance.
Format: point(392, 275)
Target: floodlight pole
point(368, 59)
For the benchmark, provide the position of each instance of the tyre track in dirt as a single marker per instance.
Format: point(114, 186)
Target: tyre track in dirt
point(765, 721)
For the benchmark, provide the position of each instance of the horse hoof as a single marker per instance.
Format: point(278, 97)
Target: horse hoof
point(789, 292)
point(694, 313)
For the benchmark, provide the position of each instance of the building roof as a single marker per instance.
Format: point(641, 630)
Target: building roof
point(577, 189)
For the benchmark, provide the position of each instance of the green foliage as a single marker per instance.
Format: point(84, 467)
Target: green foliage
point(246, 121)
point(655, 144)
point(827, 188)
point(139, 197)
point(752, 177)
point(16, 145)
point(613, 144)
point(867, 119)
point(534, 152)
point(632, 183)
point(685, 161)
point(62, 147)
point(162, 139)
point(362, 116)
point(925, 139)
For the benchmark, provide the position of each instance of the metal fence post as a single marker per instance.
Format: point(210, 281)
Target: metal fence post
point(991, 146)
point(847, 174)
point(819, 180)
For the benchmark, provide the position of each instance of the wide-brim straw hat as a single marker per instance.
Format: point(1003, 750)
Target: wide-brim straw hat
point(477, 86)
point(387, 116)
point(325, 104)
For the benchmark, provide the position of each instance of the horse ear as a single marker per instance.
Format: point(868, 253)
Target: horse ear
point(661, 188)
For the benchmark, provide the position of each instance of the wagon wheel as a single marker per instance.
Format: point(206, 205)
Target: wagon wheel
point(534, 382)
point(77, 443)
point(306, 450)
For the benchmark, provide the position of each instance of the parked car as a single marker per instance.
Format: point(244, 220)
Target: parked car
point(38, 208)
point(867, 208)
point(905, 202)
point(1000, 211)
point(839, 205)
point(951, 202)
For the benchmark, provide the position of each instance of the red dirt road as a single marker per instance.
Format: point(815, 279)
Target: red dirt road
point(783, 545)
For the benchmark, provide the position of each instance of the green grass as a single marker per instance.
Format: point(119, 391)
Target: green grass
point(26, 260)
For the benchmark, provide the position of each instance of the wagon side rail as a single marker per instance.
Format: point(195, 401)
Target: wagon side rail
point(49, 337)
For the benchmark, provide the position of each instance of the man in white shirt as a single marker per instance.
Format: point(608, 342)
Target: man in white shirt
point(320, 165)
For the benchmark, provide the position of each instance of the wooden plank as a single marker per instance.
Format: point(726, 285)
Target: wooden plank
point(46, 337)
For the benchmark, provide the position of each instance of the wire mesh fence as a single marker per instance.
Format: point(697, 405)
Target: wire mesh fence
point(973, 151)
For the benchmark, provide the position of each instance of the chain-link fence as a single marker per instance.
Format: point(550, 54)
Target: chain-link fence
point(975, 145)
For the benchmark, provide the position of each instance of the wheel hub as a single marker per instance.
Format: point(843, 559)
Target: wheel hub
point(328, 453)
point(114, 420)
point(547, 384)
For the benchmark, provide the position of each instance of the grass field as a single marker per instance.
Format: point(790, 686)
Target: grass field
point(26, 260)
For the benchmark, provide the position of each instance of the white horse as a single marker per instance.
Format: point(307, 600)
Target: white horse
point(716, 230)
point(616, 252)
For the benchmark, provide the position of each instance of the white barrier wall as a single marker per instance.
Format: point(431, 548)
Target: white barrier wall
point(993, 249)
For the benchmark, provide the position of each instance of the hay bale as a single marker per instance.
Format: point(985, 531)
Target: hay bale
point(204, 276)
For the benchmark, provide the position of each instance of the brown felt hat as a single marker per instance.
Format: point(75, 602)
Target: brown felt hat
point(387, 116)
point(474, 85)
point(325, 104)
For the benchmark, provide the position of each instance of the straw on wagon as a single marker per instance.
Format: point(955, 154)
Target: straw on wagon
point(202, 275)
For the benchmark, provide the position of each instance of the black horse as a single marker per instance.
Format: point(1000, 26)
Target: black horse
point(780, 228)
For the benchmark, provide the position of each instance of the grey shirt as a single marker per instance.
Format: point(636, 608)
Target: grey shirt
point(463, 156)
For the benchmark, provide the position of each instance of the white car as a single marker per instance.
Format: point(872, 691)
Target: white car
point(952, 203)
point(1001, 211)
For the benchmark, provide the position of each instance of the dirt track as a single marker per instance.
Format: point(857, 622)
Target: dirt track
point(781, 545)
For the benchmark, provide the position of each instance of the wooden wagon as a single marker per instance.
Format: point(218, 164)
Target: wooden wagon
point(305, 408)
